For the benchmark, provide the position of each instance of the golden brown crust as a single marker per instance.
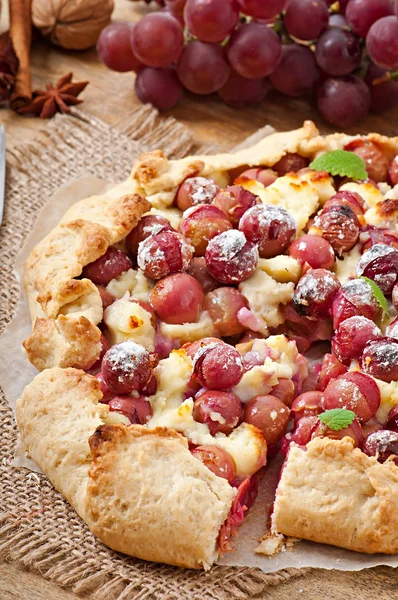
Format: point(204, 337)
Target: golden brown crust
point(140, 491)
point(333, 493)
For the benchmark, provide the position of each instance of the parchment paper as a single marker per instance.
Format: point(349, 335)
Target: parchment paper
point(16, 372)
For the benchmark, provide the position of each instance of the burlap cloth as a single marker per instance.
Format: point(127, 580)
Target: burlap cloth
point(38, 528)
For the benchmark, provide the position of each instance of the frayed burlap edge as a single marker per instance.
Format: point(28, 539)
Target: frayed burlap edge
point(38, 528)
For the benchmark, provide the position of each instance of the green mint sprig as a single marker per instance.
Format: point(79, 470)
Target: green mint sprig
point(341, 162)
point(337, 418)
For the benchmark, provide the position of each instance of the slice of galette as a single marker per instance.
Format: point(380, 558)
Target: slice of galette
point(170, 317)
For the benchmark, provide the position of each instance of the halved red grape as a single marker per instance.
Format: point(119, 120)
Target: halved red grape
point(199, 271)
point(269, 226)
point(382, 444)
point(160, 87)
point(345, 198)
point(178, 299)
point(393, 169)
point(392, 421)
point(230, 258)
point(254, 50)
point(354, 391)
point(219, 461)
point(291, 161)
point(380, 263)
point(148, 225)
point(106, 297)
point(169, 36)
point(269, 414)
point(127, 367)
point(300, 435)
point(315, 293)
point(194, 191)
point(234, 201)
point(223, 305)
point(114, 47)
point(339, 226)
point(202, 223)
point(164, 253)
point(380, 359)
point(218, 366)
point(137, 409)
point(313, 250)
point(203, 68)
point(375, 235)
point(331, 368)
point(308, 404)
point(354, 298)
point(264, 176)
point(107, 267)
point(372, 154)
point(221, 411)
point(352, 336)
point(353, 431)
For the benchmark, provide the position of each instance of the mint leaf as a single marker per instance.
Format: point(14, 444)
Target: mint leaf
point(380, 297)
point(340, 162)
point(337, 418)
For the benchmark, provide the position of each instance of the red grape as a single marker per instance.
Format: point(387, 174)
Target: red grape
point(382, 444)
point(313, 250)
point(240, 91)
point(375, 235)
point(353, 431)
point(169, 37)
point(356, 297)
point(308, 404)
point(361, 14)
point(350, 199)
point(194, 191)
point(178, 299)
point(107, 267)
point(392, 329)
point(230, 258)
point(393, 170)
point(217, 460)
point(202, 223)
point(264, 176)
point(315, 292)
point(354, 391)
point(382, 42)
point(306, 19)
point(260, 9)
point(127, 366)
point(211, 20)
point(284, 390)
point(106, 392)
point(218, 366)
point(159, 87)
point(114, 47)
point(223, 305)
point(96, 367)
point(339, 226)
point(383, 96)
point(380, 359)
point(192, 348)
point(380, 263)
point(234, 201)
point(269, 226)
point(138, 410)
point(199, 271)
point(352, 336)
point(164, 253)
point(221, 411)
point(176, 7)
point(336, 20)
point(290, 162)
point(297, 71)
point(254, 50)
point(373, 156)
point(106, 297)
point(203, 68)
point(343, 101)
point(338, 52)
point(392, 420)
point(269, 414)
point(331, 368)
point(148, 225)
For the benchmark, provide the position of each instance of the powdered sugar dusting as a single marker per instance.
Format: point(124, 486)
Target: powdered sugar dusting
point(376, 251)
point(127, 357)
point(202, 190)
point(269, 214)
point(149, 253)
point(359, 289)
point(228, 244)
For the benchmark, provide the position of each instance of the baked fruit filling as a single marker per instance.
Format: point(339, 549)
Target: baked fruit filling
point(211, 306)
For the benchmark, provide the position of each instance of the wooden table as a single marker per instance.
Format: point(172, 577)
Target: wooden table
point(110, 96)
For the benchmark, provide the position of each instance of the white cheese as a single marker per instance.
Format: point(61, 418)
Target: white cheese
point(392, 193)
point(173, 214)
point(389, 398)
point(379, 217)
point(127, 320)
point(282, 268)
point(322, 182)
point(369, 193)
point(89, 306)
point(347, 268)
point(189, 332)
point(122, 284)
point(172, 374)
point(265, 295)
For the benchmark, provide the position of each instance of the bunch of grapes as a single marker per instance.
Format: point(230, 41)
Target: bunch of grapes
point(343, 53)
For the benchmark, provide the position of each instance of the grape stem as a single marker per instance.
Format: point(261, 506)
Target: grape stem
point(388, 76)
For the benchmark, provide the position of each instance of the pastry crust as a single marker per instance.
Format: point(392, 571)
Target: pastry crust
point(140, 491)
point(332, 493)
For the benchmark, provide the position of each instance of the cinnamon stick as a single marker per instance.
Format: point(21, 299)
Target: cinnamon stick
point(21, 35)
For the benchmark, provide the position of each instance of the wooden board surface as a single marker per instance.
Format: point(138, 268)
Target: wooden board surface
point(110, 96)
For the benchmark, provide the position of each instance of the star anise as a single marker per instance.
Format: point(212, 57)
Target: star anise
point(9, 64)
point(55, 98)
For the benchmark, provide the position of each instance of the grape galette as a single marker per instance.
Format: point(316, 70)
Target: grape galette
point(171, 321)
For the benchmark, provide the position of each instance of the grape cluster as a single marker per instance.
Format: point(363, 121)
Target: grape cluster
point(345, 53)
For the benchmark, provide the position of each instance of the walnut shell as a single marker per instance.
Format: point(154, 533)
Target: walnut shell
point(72, 24)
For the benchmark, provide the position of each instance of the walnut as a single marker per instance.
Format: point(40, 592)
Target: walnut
point(72, 24)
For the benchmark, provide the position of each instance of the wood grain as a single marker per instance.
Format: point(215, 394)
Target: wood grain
point(110, 96)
